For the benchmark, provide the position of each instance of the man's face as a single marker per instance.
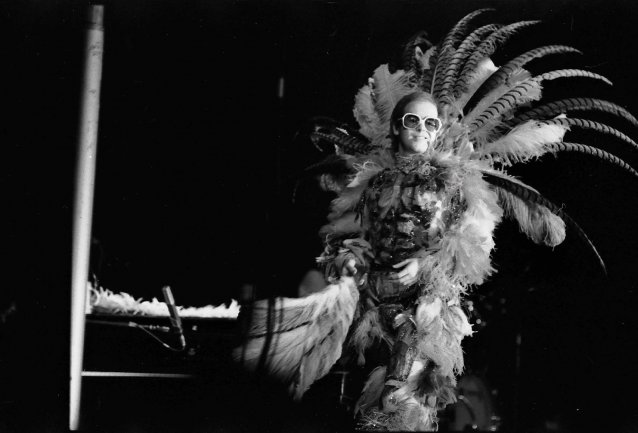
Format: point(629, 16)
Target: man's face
point(419, 139)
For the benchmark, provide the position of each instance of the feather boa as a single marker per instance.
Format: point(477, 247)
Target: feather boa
point(104, 301)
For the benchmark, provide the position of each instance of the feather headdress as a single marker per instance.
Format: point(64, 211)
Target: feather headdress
point(491, 121)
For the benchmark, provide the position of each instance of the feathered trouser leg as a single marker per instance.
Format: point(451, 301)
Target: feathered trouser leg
point(401, 404)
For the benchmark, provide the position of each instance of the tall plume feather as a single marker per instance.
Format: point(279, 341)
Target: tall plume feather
point(590, 124)
point(462, 54)
point(567, 73)
point(529, 90)
point(505, 72)
point(529, 194)
point(486, 49)
point(518, 77)
point(518, 80)
point(564, 106)
point(536, 221)
point(592, 151)
point(447, 48)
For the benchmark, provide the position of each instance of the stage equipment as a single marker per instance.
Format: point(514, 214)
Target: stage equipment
point(83, 204)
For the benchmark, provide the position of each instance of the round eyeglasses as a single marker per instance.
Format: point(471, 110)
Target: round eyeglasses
point(412, 121)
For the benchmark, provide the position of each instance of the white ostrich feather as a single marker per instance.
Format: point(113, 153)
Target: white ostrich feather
point(537, 222)
point(389, 88)
point(525, 141)
point(364, 113)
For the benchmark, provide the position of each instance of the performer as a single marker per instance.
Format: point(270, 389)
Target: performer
point(420, 189)
point(394, 229)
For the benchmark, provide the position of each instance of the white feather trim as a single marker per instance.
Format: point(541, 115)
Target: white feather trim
point(465, 249)
point(104, 301)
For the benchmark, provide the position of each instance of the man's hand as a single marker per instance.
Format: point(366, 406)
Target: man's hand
point(349, 268)
point(409, 274)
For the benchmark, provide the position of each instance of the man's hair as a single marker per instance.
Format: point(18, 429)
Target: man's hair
point(399, 111)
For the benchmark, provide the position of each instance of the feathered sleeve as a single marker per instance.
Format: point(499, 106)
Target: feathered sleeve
point(298, 340)
point(466, 244)
point(344, 235)
point(344, 241)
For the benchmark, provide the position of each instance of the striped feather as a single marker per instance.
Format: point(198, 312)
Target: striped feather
point(460, 57)
point(590, 124)
point(529, 194)
point(447, 50)
point(505, 72)
point(477, 120)
point(515, 79)
point(486, 49)
point(568, 73)
point(485, 68)
point(348, 144)
point(529, 90)
point(537, 222)
point(564, 106)
point(593, 151)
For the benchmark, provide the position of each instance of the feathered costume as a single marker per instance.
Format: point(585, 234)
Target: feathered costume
point(440, 207)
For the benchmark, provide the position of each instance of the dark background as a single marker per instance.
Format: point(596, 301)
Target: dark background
point(195, 172)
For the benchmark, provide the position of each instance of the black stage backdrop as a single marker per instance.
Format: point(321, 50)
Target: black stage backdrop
point(196, 166)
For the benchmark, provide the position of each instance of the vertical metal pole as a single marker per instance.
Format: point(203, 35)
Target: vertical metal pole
point(83, 205)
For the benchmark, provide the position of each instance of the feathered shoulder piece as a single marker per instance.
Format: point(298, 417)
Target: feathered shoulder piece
point(493, 116)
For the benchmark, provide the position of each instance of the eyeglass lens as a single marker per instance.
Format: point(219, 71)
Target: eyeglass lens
point(412, 121)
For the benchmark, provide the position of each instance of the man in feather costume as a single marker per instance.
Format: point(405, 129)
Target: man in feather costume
point(420, 188)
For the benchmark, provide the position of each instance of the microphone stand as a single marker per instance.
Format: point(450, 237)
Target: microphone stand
point(176, 322)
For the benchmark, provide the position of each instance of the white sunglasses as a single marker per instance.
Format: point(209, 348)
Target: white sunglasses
point(412, 121)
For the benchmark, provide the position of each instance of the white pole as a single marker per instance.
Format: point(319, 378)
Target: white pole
point(83, 205)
